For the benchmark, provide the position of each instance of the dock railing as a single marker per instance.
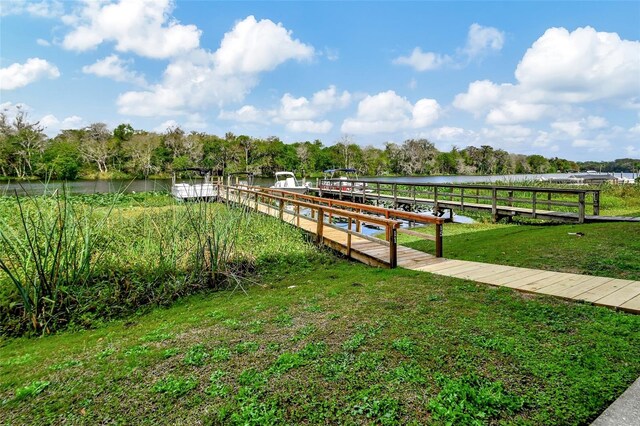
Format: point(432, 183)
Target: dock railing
point(294, 209)
point(410, 218)
point(501, 200)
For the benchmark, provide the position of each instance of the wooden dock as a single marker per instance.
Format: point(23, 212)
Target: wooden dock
point(610, 292)
point(601, 291)
point(571, 205)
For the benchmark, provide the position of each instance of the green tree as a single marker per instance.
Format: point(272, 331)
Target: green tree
point(62, 160)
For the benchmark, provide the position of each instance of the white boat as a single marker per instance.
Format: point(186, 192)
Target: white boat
point(287, 181)
point(196, 191)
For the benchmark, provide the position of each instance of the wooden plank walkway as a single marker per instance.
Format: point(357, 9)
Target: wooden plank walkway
point(602, 291)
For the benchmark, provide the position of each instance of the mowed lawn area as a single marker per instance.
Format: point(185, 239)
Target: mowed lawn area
point(603, 249)
point(336, 342)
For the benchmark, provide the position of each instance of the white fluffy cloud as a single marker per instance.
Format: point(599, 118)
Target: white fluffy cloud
point(41, 9)
point(389, 112)
point(575, 128)
point(201, 78)
point(116, 69)
point(480, 41)
point(52, 125)
point(298, 115)
point(581, 66)
point(246, 114)
point(560, 69)
point(256, 46)
point(139, 26)
point(19, 75)
point(309, 126)
point(423, 61)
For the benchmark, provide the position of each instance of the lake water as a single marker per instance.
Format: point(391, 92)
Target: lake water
point(164, 185)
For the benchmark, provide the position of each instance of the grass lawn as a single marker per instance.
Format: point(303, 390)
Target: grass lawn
point(333, 342)
point(605, 249)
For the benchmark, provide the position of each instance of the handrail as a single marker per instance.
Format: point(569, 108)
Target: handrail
point(389, 213)
point(402, 192)
point(464, 185)
point(254, 195)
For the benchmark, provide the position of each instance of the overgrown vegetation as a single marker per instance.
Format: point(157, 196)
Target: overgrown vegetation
point(71, 260)
point(338, 344)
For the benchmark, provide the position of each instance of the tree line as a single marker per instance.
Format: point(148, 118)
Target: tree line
point(97, 151)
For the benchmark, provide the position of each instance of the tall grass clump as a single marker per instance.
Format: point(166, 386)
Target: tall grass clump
point(215, 245)
point(51, 247)
point(78, 261)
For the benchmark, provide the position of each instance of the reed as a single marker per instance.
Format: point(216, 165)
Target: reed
point(54, 247)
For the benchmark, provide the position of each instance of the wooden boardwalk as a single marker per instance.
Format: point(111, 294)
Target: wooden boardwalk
point(610, 292)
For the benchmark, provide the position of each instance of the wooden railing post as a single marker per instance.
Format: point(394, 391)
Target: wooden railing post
point(435, 199)
point(388, 235)
point(394, 188)
point(596, 203)
point(534, 199)
point(320, 226)
point(349, 237)
point(581, 198)
point(438, 239)
point(393, 246)
point(494, 205)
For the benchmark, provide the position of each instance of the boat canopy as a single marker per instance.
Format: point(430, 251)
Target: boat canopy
point(201, 171)
point(341, 170)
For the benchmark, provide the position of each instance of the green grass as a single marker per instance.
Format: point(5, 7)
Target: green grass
point(348, 344)
point(605, 249)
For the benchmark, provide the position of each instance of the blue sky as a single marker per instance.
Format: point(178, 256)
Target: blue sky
point(551, 78)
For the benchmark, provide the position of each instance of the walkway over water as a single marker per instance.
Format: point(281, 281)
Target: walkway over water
point(609, 292)
point(501, 201)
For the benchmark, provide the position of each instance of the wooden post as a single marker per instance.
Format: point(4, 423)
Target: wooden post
point(256, 201)
point(435, 200)
point(280, 209)
point(386, 216)
point(549, 201)
point(320, 226)
point(358, 223)
point(227, 194)
point(298, 215)
point(596, 203)
point(349, 237)
point(393, 246)
point(534, 199)
point(510, 194)
point(581, 207)
point(494, 206)
point(394, 189)
point(438, 240)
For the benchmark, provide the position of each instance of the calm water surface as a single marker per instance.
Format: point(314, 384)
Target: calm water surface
point(164, 185)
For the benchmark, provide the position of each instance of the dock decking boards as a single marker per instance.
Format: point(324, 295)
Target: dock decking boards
point(602, 291)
